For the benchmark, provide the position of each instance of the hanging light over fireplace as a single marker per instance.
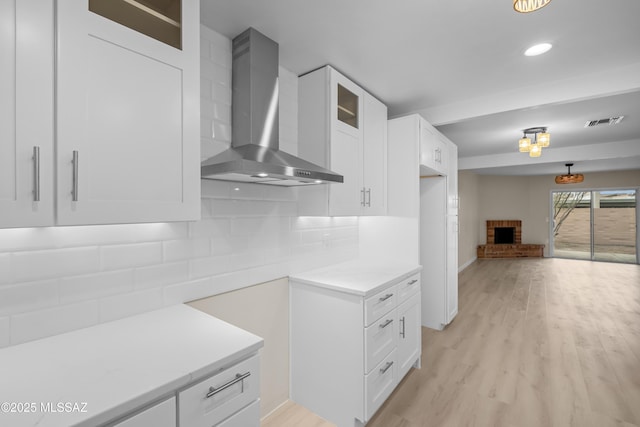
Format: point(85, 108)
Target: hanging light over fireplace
point(569, 178)
point(526, 6)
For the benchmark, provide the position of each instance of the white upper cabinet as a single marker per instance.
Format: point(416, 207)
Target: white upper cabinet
point(124, 123)
point(343, 128)
point(127, 111)
point(374, 157)
point(434, 151)
point(26, 113)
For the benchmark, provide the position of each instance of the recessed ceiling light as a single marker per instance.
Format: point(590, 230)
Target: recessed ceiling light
point(538, 49)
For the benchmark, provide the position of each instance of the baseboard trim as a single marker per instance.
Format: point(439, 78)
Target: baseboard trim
point(467, 264)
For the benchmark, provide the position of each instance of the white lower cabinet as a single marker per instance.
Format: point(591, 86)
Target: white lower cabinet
point(161, 415)
point(222, 398)
point(409, 335)
point(350, 351)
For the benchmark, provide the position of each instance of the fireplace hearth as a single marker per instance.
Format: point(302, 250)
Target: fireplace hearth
point(504, 240)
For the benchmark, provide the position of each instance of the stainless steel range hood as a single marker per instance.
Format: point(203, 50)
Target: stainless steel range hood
point(254, 155)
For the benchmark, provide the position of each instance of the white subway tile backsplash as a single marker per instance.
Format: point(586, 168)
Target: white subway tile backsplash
point(205, 48)
point(5, 268)
point(5, 331)
point(227, 245)
point(54, 263)
point(159, 275)
point(307, 222)
point(128, 256)
point(79, 288)
point(119, 306)
point(176, 250)
point(222, 94)
point(28, 296)
point(212, 227)
point(212, 189)
point(189, 291)
point(52, 321)
point(207, 109)
point(215, 38)
point(210, 266)
point(221, 74)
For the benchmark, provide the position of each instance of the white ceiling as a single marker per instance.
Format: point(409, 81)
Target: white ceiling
point(460, 65)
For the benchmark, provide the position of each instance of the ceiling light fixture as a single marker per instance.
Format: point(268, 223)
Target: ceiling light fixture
point(538, 49)
point(526, 6)
point(569, 178)
point(542, 139)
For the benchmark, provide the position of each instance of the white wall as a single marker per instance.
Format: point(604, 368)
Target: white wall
point(57, 279)
point(523, 198)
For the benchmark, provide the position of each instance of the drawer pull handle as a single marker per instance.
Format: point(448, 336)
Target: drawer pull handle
point(387, 323)
point(386, 367)
point(386, 297)
point(402, 331)
point(412, 282)
point(239, 377)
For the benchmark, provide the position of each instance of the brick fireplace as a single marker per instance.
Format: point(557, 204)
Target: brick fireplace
point(504, 240)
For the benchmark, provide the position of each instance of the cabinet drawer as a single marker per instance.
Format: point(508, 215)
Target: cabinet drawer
point(408, 287)
point(220, 396)
point(379, 304)
point(380, 339)
point(379, 384)
point(161, 415)
point(247, 417)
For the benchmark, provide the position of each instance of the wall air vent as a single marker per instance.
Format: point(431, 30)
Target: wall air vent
point(609, 121)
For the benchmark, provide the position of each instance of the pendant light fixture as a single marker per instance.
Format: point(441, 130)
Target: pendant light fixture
point(526, 6)
point(569, 178)
point(542, 140)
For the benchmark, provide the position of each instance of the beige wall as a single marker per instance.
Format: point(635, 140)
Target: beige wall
point(262, 310)
point(467, 217)
point(523, 198)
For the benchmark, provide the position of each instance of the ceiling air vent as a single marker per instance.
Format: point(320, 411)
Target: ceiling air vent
point(609, 121)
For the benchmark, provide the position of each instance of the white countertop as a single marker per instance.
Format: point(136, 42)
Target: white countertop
point(360, 277)
point(118, 366)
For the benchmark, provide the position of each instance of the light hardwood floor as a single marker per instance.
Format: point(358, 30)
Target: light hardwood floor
point(537, 342)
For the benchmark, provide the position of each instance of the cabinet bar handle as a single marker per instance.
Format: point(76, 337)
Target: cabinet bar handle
point(74, 190)
point(386, 367)
point(412, 282)
point(239, 377)
point(402, 330)
point(385, 324)
point(36, 174)
point(369, 193)
point(362, 202)
point(386, 297)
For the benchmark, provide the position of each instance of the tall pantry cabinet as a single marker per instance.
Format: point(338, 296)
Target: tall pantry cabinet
point(416, 147)
point(101, 124)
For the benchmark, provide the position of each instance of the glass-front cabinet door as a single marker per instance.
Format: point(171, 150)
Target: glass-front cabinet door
point(128, 111)
point(160, 19)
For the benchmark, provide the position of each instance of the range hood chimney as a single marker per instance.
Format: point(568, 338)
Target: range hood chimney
point(254, 155)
